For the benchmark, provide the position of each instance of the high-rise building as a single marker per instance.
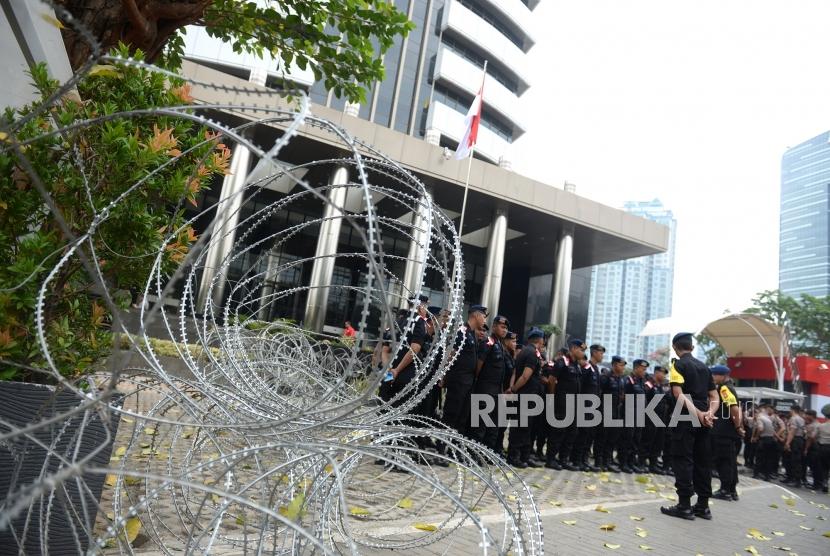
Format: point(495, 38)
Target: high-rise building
point(433, 74)
point(804, 241)
point(627, 294)
point(520, 237)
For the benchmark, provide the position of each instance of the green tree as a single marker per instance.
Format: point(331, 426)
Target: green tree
point(808, 318)
point(713, 353)
point(341, 41)
point(85, 164)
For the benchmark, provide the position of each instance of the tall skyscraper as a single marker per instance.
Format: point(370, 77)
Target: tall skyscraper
point(627, 294)
point(804, 241)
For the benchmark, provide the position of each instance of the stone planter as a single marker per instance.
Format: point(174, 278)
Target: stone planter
point(60, 521)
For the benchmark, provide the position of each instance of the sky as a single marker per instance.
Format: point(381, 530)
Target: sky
point(690, 102)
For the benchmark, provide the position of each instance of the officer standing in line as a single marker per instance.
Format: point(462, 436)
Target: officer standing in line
point(429, 404)
point(586, 436)
point(611, 387)
point(631, 434)
point(490, 379)
point(407, 359)
point(727, 429)
point(509, 344)
point(461, 376)
point(794, 447)
point(692, 387)
point(527, 382)
point(654, 436)
point(566, 379)
point(810, 452)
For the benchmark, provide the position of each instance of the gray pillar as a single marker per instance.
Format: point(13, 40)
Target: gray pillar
point(224, 229)
point(326, 253)
point(561, 286)
point(418, 251)
point(494, 269)
point(268, 284)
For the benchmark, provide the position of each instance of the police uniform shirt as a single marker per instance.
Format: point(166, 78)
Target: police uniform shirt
point(529, 357)
point(797, 426)
point(634, 385)
point(823, 434)
point(694, 379)
point(417, 334)
point(509, 369)
point(568, 376)
point(466, 349)
point(765, 426)
point(613, 385)
point(492, 356)
point(723, 421)
point(589, 383)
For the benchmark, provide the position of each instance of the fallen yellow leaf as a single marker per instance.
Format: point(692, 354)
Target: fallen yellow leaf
point(120, 451)
point(607, 527)
point(788, 501)
point(591, 487)
point(125, 419)
point(133, 481)
point(602, 509)
point(751, 549)
point(642, 479)
point(556, 502)
point(826, 534)
point(642, 533)
point(329, 469)
point(240, 520)
point(131, 528)
point(645, 547)
point(778, 533)
point(149, 430)
point(806, 528)
point(757, 535)
point(775, 506)
point(405, 503)
point(51, 20)
point(110, 480)
point(611, 546)
point(357, 510)
point(294, 509)
point(635, 518)
point(425, 526)
point(569, 521)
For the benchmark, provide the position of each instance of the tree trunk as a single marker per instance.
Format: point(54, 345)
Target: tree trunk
point(141, 24)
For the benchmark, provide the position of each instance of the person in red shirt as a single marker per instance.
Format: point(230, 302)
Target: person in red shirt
point(348, 331)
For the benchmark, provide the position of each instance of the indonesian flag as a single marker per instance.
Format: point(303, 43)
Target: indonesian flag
point(468, 141)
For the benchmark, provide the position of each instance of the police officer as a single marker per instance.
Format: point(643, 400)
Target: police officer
point(527, 381)
point(693, 388)
point(589, 384)
point(490, 379)
point(509, 345)
point(567, 378)
point(630, 442)
point(611, 387)
point(794, 446)
point(728, 428)
point(429, 403)
point(654, 435)
point(461, 376)
point(405, 364)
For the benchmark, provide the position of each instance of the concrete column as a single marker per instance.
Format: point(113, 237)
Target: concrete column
point(561, 286)
point(268, 283)
point(326, 253)
point(494, 269)
point(224, 229)
point(418, 250)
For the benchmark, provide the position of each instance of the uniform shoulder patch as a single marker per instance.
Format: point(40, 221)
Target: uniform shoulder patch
point(674, 376)
point(490, 341)
point(727, 397)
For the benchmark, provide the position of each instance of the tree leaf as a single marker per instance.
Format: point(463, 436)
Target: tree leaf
point(404, 503)
point(611, 546)
point(425, 526)
point(602, 509)
point(645, 547)
point(357, 510)
point(607, 527)
point(132, 528)
point(569, 521)
point(635, 518)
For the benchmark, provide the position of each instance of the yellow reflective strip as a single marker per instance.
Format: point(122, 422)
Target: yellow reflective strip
point(727, 396)
point(674, 376)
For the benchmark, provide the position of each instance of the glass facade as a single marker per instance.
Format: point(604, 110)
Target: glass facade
point(804, 240)
point(627, 294)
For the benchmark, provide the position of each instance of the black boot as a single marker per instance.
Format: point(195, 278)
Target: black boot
point(701, 509)
point(683, 512)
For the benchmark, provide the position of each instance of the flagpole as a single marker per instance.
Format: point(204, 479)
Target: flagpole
point(470, 164)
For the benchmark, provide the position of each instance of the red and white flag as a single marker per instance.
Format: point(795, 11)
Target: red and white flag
point(468, 141)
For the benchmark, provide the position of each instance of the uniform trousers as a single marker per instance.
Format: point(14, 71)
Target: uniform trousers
point(692, 463)
point(457, 402)
point(725, 462)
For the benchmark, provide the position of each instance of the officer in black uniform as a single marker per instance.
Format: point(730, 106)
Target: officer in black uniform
point(653, 435)
point(727, 430)
point(586, 436)
point(629, 451)
point(527, 381)
point(692, 387)
point(429, 403)
point(611, 387)
point(407, 358)
point(461, 376)
point(490, 379)
point(567, 376)
point(509, 345)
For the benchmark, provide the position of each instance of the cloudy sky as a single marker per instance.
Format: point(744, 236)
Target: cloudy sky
point(691, 102)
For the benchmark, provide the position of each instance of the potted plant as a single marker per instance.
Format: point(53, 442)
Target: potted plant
point(85, 154)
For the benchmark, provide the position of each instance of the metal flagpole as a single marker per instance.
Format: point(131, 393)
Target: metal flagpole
point(472, 154)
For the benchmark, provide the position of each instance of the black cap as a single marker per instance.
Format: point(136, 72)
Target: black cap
point(598, 347)
point(681, 336)
point(640, 363)
point(659, 368)
point(485, 327)
point(510, 336)
point(618, 359)
point(535, 333)
point(576, 343)
point(477, 309)
point(501, 319)
point(434, 310)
